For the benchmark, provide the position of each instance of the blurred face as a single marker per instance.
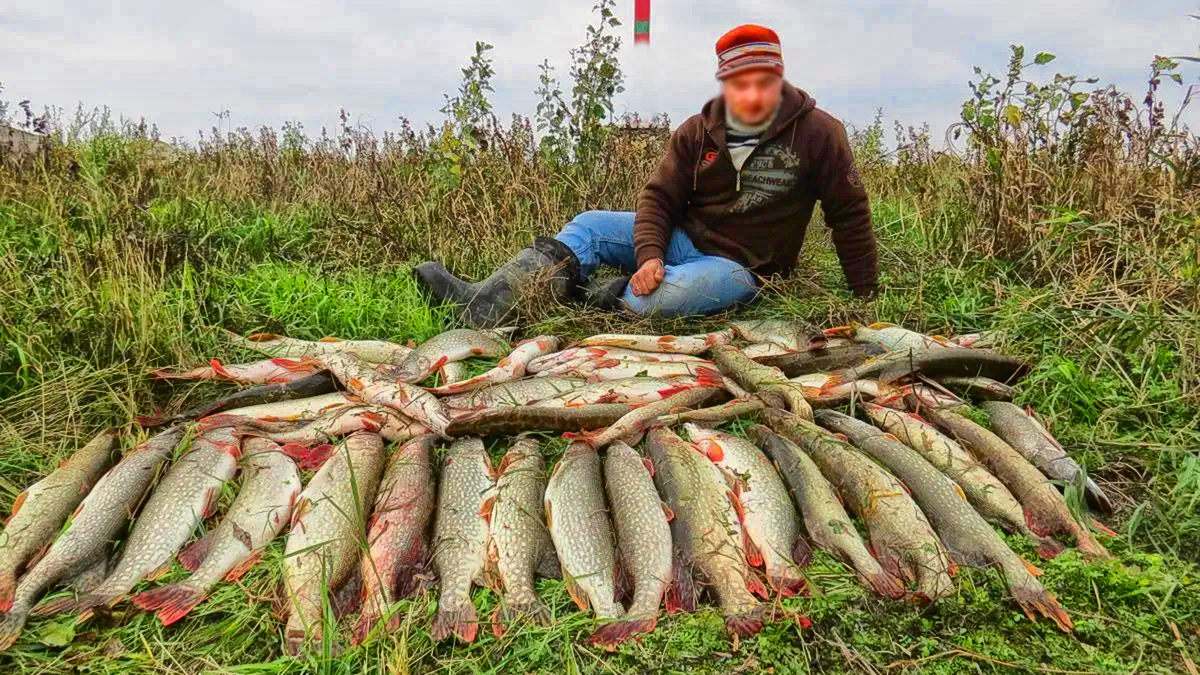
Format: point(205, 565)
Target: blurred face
point(753, 95)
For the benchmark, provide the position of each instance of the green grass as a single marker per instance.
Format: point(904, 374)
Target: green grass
point(120, 271)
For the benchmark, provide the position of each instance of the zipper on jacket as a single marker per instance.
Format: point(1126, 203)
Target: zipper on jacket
point(739, 180)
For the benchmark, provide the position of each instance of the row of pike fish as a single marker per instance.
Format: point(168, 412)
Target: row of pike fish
point(715, 512)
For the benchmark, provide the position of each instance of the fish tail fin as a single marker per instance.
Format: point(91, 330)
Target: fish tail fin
point(790, 584)
point(8, 583)
point(612, 634)
point(755, 585)
point(884, 583)
point(172, 602)
point(239, 570)
point(195, 553)
point(367, 620)
point(1089, 547)
point(1103, 529)
point(532, 610)
point(681, 593)
point(745, 624)
point(1048, 547)
point(802, 552)
point(461, 621)
point(1036, 601)
point(308, 458)
point(148, 421)
point(166, 374)
point(709, 377)
point(1097, 498)
point(11, 624)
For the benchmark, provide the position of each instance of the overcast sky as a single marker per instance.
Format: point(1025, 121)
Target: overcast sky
point(270, 61)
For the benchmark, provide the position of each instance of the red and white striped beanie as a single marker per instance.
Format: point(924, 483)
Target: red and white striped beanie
point(749, 47)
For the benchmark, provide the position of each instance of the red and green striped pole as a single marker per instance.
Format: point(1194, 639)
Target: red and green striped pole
point(641, 22)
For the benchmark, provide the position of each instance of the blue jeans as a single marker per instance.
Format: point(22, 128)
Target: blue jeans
point(694, 283)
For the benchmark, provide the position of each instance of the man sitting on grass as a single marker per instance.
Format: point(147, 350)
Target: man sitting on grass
point(729, 204)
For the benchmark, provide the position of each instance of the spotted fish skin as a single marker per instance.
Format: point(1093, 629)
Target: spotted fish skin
point(670, 344)
point(185, 496)
point(513, 394)
point(398, 533)
point(519, 539)
point(448, 347)
point(1022, 430)
point(374, 351)
point(327, 535)
point(460, 537)
point(643, 541)
point(511, 367)
point(270, 487)
point(41, 509)
point(576, 515)
point(768, 382)
point(83, 545)
point(824, 516)
point(373, 386)
point(1046, 511)
point(969, 538)
point(704, 530)
point(900, 534)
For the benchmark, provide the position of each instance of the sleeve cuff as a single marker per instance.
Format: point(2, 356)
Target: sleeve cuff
point(649, 252)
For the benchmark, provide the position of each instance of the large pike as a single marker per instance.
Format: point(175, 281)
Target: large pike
point(397, 533)
point(519, 540)
point(766, 381)
point(969, 538)
point(511, 367)
point(632, 425)
point(267, 371)
point(619, 370)
point(460, 537)
point(900, 535)
point(836, 354)
point(1022, 430)
point(578, 522)
point(40, 510)
point(82, 548)
point(186, 495)
point(893, 366)
point(372, 386)
point(512, 421)
point(673, 344)
point(644, 551)
point(516, 393)
point(824, 516)
point(791, 334)
point(1046, 511)
point(569, 358)
point(309, 386)
point(263, 506)
point(891, 337)
point(770, 524)
point(373, 351)
point(453, 345)
point(985, 491)
point(327, 535)
point(704, 530)
point(631, 390)
point(979, 388)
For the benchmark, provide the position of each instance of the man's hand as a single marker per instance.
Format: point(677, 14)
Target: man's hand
point(648, 277)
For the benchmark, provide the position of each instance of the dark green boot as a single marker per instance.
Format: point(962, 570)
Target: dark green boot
point(493, 301)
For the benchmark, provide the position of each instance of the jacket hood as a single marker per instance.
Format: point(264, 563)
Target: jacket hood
point(796, 103)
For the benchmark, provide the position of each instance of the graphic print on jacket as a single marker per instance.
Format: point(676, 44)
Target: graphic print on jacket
point(770, 173)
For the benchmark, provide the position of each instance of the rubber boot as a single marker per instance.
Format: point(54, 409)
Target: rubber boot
point(492, 302)
point(605, 293)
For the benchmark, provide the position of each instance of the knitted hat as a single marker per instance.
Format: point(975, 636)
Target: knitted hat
point(749, 47)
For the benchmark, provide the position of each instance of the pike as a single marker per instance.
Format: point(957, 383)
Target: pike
point(516, 393)
point(460, 537)
point(616, 370)
point(769, 522)
point(397, 533)
point(891, 337)
point(576, 517)
point(672, 344)
point(81, 551)
point(309, 386)
point(373, 351)
point(632, 425)
point(969, 538)
point(993, 500)
point(448, 347)
point(297, 410)
point(40, 510)
point(511, 367)
point(925, 395)
point(1046, 512)
point(979, 388)
point(836, 354)
point(452, 373)
point(935, 363)
point(258, 514)
point(793, 335)
point(267, 371)
point(704, 532)
point(513, 421)
point(900, 534)
point(824, 516)
point(632, 390)
point(519, 540)
point(769, 383)
point(186, 495)
point(1021, 429)
point(326, 535)
point(578, 355)
point(644, 551)
point(821, 392)
point(373, 387)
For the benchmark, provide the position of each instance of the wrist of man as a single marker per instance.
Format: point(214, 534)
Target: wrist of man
point(647, 253)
